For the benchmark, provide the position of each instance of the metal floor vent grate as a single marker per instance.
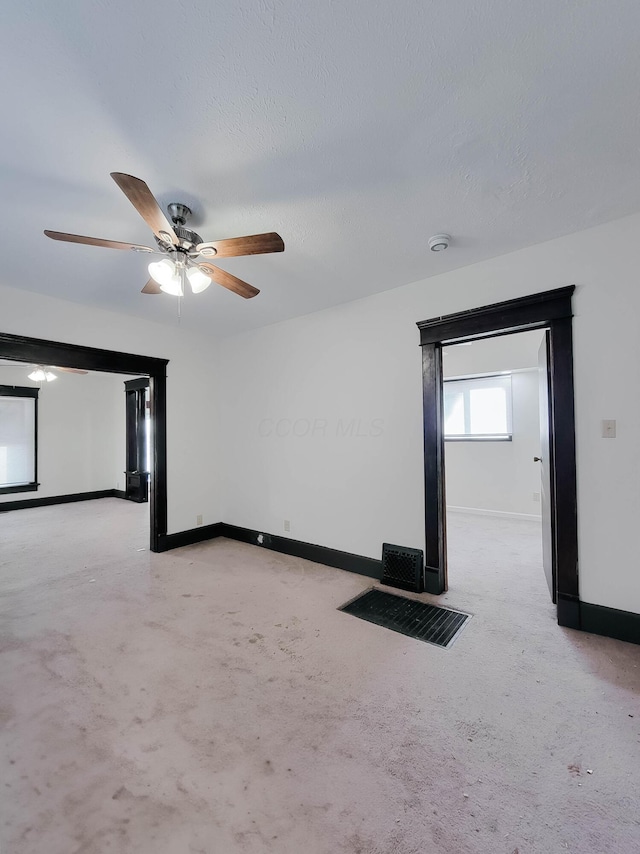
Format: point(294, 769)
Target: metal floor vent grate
point(402, 567)
point(417, 620)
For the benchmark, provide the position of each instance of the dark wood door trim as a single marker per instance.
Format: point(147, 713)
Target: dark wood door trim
point(563, 437)
point(516, 315)
point(158, 495)
point(551, 310)
point(39, 351)
point(137, 384)
point(435, 558)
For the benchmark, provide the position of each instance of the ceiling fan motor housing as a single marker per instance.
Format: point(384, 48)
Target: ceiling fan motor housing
point(188, 239)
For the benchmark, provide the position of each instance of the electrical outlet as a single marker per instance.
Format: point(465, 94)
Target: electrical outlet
point(198, 520)
point(287, 525)
point(536, 496)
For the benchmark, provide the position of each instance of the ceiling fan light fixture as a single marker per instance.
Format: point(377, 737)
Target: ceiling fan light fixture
point(173, 286)
point(162, 271)
point(40, 375)
point(198, 279)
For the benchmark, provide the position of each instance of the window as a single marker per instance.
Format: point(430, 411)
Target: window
point(478, 408)
point(18, 430)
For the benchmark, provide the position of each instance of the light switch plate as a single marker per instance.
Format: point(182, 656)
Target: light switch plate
point(609, 429)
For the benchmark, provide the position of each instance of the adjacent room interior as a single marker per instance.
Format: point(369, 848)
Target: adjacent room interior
point(69, 434)
point(492, 393)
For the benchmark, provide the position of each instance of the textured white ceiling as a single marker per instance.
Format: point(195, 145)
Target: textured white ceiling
point(354, 129)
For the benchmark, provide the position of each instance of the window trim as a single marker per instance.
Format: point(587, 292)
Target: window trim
point(476, 438)
point(24, 391)
point(481, 437)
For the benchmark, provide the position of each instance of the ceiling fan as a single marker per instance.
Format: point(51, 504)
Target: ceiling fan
point(186, 255)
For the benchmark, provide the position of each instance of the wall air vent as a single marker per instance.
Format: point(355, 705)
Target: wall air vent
point(402, 567)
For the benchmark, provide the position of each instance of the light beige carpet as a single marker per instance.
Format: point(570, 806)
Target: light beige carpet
point(213, 699)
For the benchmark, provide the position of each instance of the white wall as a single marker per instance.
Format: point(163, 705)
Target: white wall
point(499, 476)
point(362, 361)
point(81, 432)
point(193, 480)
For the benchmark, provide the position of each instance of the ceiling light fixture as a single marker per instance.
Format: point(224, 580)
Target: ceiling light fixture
point(439, 242)
point(198, 280)
point(39, 375)
point(170, 276)
point(162, 271)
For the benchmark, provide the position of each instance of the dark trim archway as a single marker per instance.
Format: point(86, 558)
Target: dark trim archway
point(24, 349)
point(548, 310)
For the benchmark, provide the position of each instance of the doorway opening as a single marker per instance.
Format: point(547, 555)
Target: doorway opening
point(495, 401)
point(549, 312)
point(41, 352)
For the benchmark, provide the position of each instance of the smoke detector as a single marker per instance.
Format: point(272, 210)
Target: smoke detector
point(439, 242)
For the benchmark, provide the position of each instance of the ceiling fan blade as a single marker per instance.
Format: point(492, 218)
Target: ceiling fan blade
point(69, 370)
point(253, 244)
point(95, 241)
point(228, 281)
point(144, 202)
point(152, 287)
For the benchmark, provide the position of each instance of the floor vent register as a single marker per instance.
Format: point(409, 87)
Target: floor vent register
point(419, 620)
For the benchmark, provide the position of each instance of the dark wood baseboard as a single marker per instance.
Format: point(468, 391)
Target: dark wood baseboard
point(318, 554)
point(58, 499)
point(309, 551)
point(568, 611)
point(431, 581)
point(189, 537)
point(119, 493)
point(610, 622)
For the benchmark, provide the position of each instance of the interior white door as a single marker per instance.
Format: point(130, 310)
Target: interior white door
point(545, 462)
